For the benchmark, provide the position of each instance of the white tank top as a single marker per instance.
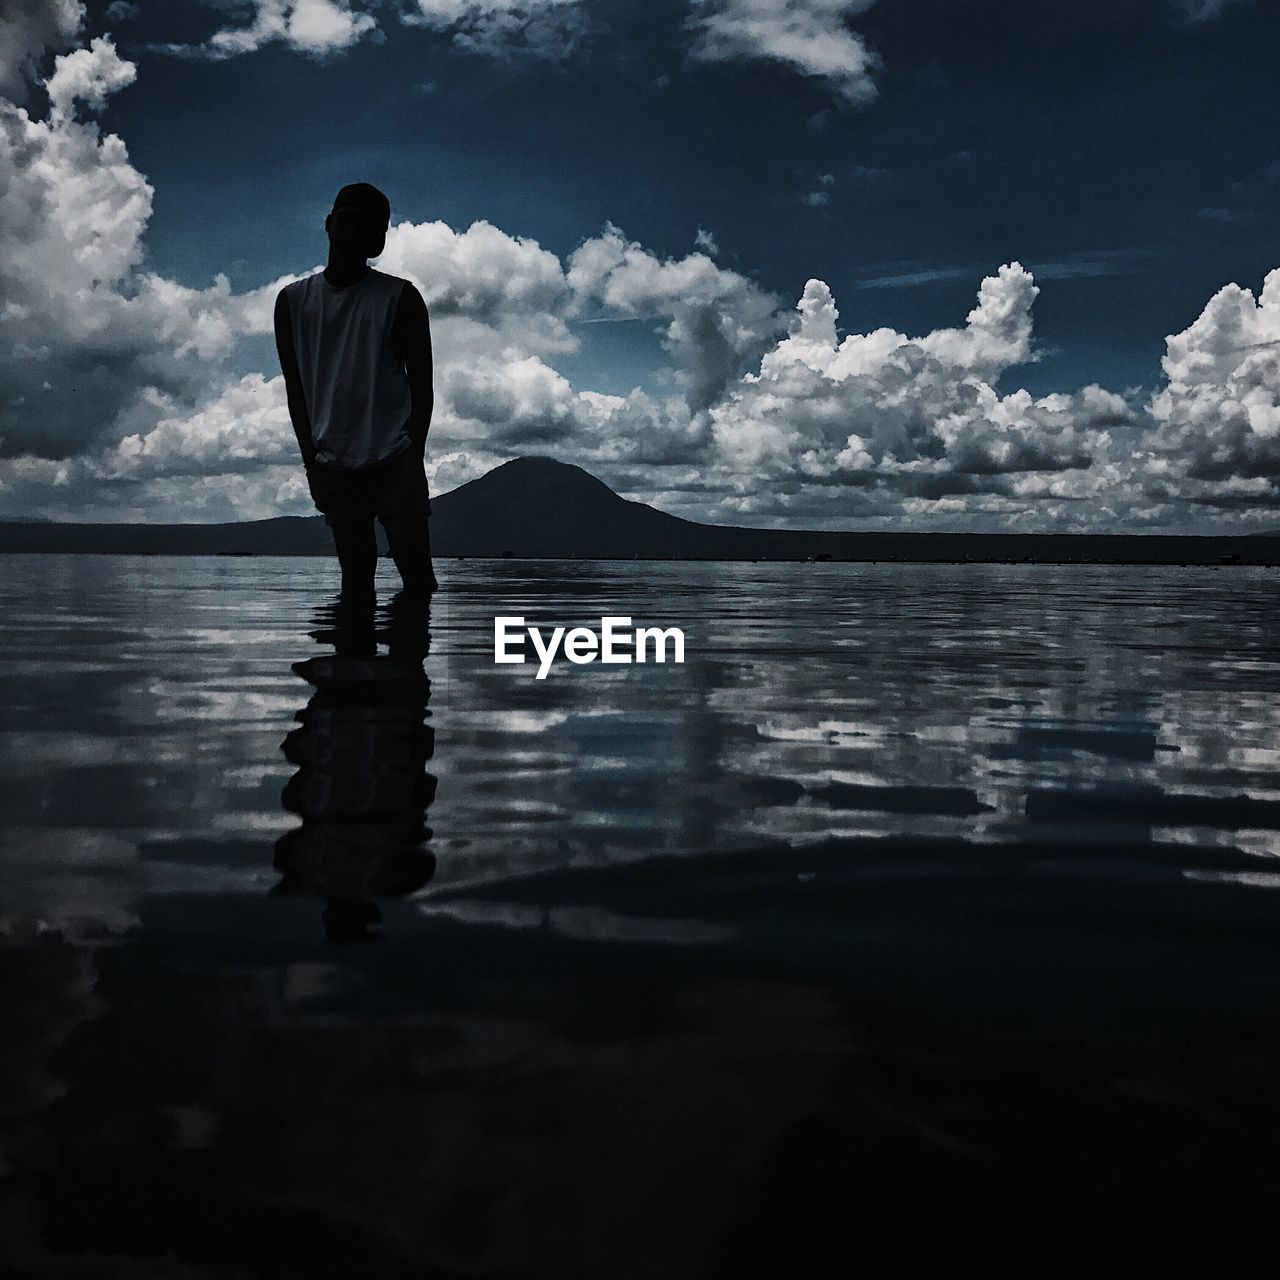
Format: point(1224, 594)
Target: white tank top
point(356, 391)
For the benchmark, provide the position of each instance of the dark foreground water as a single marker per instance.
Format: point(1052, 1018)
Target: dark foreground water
point(928, 915)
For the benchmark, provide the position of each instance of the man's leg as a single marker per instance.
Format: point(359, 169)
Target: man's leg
point(404, 507)
point(357, 546)
point(345, 499)
point(409, 541)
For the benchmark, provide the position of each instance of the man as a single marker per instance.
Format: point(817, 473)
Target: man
point(355, 350)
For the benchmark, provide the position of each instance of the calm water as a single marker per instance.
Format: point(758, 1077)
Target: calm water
point(927, 914)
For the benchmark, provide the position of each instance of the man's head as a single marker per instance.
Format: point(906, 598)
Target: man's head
point(358, 223)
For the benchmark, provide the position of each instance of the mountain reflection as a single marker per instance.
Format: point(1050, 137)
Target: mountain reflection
point(361, 750)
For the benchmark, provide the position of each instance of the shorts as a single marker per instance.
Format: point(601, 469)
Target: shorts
point(393, 487)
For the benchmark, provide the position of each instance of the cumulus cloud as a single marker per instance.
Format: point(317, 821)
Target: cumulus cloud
point(997, 332)
point(312, 27)
point(503, 309)
point(525, 400)
point(115, 379)
point(1218, 418)
point(827, 431)
point(88, 338)
point(714, 320)
point(27, 29)
point(891, 419)
point(500, 308)
point(243, 427)
point(117, 392)
point(810, 36)
point(507, 285)
point(120, 395)
point(539, 28)
point(89, 76)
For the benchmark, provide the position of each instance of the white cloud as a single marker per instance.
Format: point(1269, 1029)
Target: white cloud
point(27, 29)
point(715, 320)
point(1218, 418)
point(880, 419)
point(507, 284)
point(524, 400)
point(87, 335)
point(997, 333)
point(244, 426)
point(116, 390)
point(89, 76)
point(312, 27)
point(117, 397)
point(502, 309)
point(810, 36)
point(539, 28)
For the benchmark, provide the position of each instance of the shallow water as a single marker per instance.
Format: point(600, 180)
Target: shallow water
point(918, 892)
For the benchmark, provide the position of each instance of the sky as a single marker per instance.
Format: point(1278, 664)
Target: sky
point(883, 264)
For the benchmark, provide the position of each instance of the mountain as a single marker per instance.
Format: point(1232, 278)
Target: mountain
point(538, 507)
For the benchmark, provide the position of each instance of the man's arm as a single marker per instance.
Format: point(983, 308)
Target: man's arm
point(411, 340)
point(293, 380)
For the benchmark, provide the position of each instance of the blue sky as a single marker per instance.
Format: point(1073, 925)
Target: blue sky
point(895, 153)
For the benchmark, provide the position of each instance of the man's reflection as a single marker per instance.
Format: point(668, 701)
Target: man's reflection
point(361, 748)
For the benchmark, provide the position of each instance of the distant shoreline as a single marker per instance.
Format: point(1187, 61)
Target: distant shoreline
point(542, 509)
point(1228, 560)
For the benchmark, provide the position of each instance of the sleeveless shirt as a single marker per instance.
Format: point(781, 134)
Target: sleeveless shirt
point(356, 390)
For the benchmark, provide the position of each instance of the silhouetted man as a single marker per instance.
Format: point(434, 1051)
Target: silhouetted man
point(355, 350)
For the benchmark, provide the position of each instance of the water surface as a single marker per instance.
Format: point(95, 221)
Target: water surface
point(935, 894)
